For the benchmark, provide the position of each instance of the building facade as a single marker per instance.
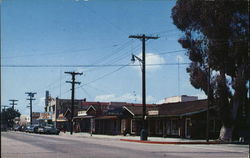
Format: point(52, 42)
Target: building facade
point(184, 118)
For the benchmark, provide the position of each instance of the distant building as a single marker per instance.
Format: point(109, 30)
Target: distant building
point(58, 107)
point(35, 116)
point(45, 118)
point(182, 98)
point(24, 120)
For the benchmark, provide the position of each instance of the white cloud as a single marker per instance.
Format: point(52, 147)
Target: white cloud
point(160, 101)
point(179, 58)
point(201, 96)
point(105, 97)
point(127, 97)
point(151, 59)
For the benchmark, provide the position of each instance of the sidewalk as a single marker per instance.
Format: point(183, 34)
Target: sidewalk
point(151, 140)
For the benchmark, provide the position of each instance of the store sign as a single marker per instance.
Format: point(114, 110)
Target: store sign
point(153, 112)
point(81, 113)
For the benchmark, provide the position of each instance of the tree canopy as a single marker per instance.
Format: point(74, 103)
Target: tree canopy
point(8, 115)
point(216, 36)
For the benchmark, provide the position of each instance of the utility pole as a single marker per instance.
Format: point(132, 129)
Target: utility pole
point(143, 38)
point(208, 103)
point(31, 98)
point(73, 82)
point(13, 103)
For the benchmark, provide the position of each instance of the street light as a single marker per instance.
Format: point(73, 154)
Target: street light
point(133, 58)
point(143, 133)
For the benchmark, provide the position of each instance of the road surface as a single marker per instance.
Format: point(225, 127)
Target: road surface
point(26, 145)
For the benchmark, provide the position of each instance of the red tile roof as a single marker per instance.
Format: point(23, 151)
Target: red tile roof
point(172, 109)
point(182, 108)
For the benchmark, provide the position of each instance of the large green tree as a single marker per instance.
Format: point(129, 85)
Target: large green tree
point(216, 35)
point(7, 117)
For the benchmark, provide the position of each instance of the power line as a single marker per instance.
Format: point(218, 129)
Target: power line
point(106, 20)
point(107, 74)
point(164, 31)
point(54, 53)
point(168, 52)
point(108, 65)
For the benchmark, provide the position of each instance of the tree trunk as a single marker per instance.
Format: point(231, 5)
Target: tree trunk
point(225, 134)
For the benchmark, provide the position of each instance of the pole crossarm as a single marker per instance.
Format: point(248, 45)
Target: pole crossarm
point(4, 106)
point(74, 73)
point(143, 36)
point(13, 102)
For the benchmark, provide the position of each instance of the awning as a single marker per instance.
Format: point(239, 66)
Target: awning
point(106, 117)
point(61, 120)
point(83, 117)
point(44, 119)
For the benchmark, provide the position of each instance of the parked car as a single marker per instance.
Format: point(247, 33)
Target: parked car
point(36, 128)
point(23, 128)
point(51, 130)
point(30, 129)
point(27, 128)
point(17, 128)
point(40, 130)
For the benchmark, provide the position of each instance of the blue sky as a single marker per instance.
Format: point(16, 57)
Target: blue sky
point(89, 32)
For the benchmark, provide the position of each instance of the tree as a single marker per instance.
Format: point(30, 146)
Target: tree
point(216, 37)
point(8, 116)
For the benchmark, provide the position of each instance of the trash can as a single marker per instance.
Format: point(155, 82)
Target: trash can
point(144, 134)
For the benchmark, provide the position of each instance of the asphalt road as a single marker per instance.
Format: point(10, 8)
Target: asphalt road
point(25, 145)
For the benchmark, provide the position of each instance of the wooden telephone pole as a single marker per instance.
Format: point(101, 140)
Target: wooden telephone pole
point(73, 82)
point(144, 135)
point(31, 98)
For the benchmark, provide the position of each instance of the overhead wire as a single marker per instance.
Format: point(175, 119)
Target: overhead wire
point(105, 75)
point(54, 53)
point(58, 66)
point(105, 19)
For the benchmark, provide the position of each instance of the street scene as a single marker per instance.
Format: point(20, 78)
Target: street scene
point(23, 145)
point(108, 78)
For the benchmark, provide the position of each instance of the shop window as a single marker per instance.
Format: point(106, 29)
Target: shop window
point(174, 129)
point(158, 127)
point(211, 125)
point(168, 127)
point(133, 126)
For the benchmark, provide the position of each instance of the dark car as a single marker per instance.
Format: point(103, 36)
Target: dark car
point(17, 128)
point(36, 128)
point(30, 129)
point(23, 128)
point(51, 130)
point(40, 130)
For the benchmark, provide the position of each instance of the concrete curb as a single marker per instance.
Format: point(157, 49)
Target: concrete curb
point(158, 142)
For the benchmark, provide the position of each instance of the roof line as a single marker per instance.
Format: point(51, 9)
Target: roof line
point(195, 112)
point(91, 106)
point(66, 112)
point(124, 107)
